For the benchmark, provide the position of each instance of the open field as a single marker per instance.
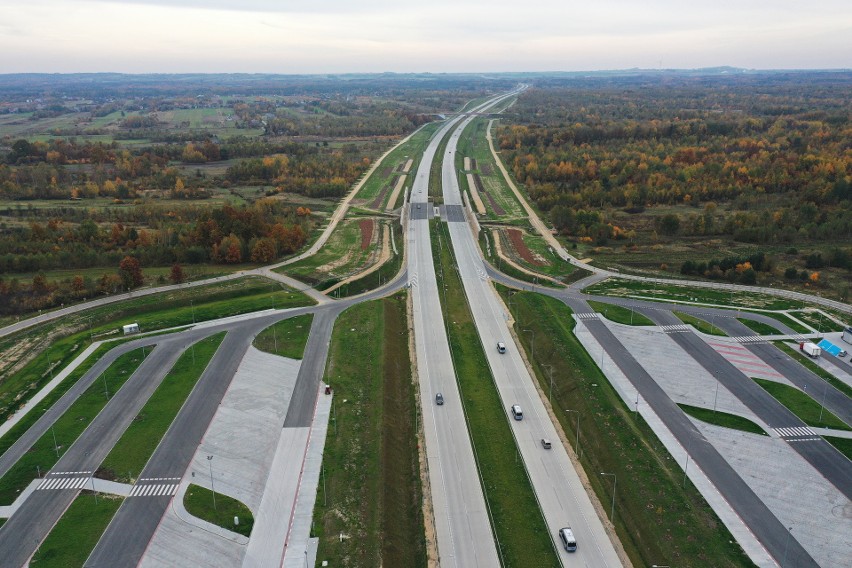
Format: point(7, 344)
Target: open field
point(500, 202)
point(516, 519)
point(199, 502)
point(723, 419)
point(370, 489)
point(75, 535)
point(390, 166)
point(802, 405)
point(133, 450)
point(532, 252)
point(657, 518)
point(286, 338)
point(817, 320)
point(620, 314)
point(342, 256)
point(44, 454)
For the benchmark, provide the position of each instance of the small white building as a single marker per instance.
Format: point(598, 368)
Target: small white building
point(130, 328)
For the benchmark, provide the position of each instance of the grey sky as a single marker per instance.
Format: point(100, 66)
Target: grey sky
point(286, 36)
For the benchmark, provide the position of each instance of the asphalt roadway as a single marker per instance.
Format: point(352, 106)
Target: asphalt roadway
point(560, 493)
point(462, 526)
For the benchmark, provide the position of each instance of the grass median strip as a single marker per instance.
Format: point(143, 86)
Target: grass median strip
point(286, 338)
point(723, 419)
point(844, 445)
point(44, 454)
point(620, 314)
point(814, 368)
point(522, 535)
point(218, 509)
point(370, 489)
point(132, 451)
point(74, 537)
point(802, 405)
point(759, 327)
point(657, 518)
point(699, 324)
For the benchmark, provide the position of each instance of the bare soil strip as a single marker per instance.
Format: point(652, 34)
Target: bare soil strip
point(395, 194)
point(480, 207)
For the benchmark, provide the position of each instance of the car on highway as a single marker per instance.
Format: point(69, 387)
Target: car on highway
point(545, 443)
point(566, 535)
point(517, 413)
point(501, 347)
point(439, 399)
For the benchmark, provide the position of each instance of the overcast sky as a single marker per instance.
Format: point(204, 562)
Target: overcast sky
point(339, 36)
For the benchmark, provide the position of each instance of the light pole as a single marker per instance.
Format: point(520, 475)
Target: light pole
point(192, 305)
point(532, 342)
point(55, 445)
point(787, 546)
point(576, 445)
point(822, 404)
point(612, 508)
point(106, 390)
point(716, 396)
point(212, 490)
point(550, 394)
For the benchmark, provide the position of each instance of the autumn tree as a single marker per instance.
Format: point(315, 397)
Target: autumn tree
point(177, 276)
point(130, 272)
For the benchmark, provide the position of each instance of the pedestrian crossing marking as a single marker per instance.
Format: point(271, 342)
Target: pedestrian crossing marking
point(154, 490)
point(51, 483)
point(70, 473)
point(796, 432)
point(588, 316)
point(679, 328)
point(749, 339)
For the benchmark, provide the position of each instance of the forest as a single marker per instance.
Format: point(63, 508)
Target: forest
point(707, 164)
point(105, 179)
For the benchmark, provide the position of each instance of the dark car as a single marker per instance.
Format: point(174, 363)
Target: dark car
point(439, 399)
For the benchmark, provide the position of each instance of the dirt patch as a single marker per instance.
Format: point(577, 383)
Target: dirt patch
point(366, 226)
point(473, 164)
point(486, 169)
point(377, 202)
point(516, 237)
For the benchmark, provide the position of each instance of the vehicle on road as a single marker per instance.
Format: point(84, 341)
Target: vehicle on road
point(810, 349)
point(566, 535)
point(842, 353)
point(545, 443)
point(439, 399)
point(517, 413)
point(501, 347)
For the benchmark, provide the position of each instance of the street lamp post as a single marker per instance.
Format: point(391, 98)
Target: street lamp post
point(612, 507)
point(212, 489)
point(550, 394)
point(532, 342)
point(787, 546)
point(716, 396)
point(577, 444)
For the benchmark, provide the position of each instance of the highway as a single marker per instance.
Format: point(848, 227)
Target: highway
point(462, 526)
point(561, 496)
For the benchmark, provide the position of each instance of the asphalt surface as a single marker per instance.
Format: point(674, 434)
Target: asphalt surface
point(833, 465)
point(561, 496)
point(462, 526)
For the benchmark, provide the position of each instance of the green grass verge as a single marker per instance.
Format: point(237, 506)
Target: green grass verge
point(370, 488)
point(802, 405)
point(656, 518)
point(199, 503)
point(135, 447)
point(34, 414)
point(286, 338)
point(759, 327)
point(814, 368)
point(74, 537)
point(522, 534)
point(663, 292)
point(723, 419)
point(844, 445)
point(818, 321)
point(620, 314)
point(786, 320)
point(69, 426)
point(157, 311)
point(701, 325)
